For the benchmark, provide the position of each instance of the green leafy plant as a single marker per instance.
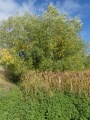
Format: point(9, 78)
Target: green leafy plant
point(60, 106)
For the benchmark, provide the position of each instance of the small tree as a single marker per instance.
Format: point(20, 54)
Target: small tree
point(47, 42)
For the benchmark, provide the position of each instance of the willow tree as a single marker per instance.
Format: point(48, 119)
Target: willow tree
point(47, 42)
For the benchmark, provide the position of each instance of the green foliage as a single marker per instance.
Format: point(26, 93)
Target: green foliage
point(47, 42)
point(60, 106)
point(87, 63)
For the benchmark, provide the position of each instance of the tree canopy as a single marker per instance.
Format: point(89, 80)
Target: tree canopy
point(47, 42)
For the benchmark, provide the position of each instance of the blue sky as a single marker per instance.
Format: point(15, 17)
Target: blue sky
point(73, 8)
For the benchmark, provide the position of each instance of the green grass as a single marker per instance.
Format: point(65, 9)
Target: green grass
point(58, 106)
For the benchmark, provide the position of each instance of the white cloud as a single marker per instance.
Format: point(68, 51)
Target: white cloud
point(10, 7)
point(71, 7)
point(7, 8)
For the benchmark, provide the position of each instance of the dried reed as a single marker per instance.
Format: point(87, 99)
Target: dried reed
point(78, 82)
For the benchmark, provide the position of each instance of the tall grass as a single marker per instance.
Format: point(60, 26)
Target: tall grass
point(77, 82)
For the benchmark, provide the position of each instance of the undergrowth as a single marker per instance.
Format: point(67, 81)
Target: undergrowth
point(47, 96)
point(54, 105)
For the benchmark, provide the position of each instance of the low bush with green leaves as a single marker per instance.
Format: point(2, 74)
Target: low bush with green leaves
point(44, 106)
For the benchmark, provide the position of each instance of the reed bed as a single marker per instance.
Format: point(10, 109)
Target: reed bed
point(77, 82)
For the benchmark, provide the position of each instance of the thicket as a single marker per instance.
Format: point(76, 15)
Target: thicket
point(51, 41)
